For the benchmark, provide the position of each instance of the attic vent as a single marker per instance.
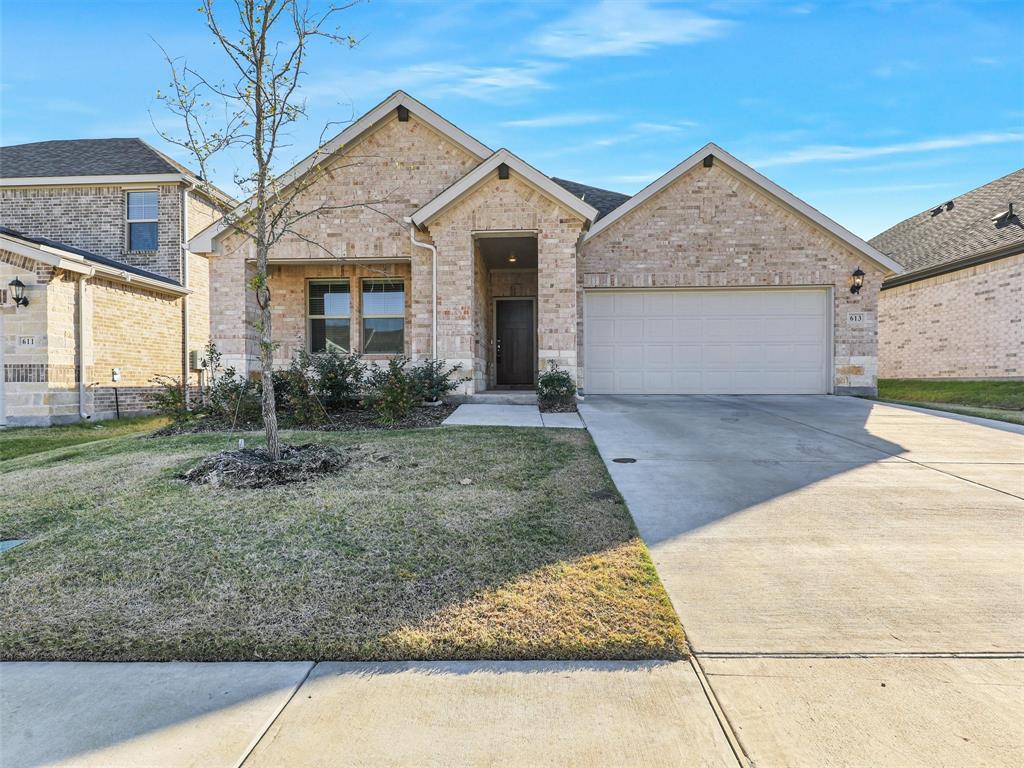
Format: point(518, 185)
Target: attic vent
point(503, 171)
point(709, 161)
point(403, 114)
point(946, 206)
point(1006, 216)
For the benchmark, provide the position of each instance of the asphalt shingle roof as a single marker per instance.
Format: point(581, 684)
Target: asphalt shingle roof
point(89, 256)
point(84, 157)
point(604, 200)
point(931, 239)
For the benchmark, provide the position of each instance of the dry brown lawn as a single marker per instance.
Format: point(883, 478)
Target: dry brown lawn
point(536, 558)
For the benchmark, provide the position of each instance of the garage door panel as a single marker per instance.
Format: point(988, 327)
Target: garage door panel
point(757, 341)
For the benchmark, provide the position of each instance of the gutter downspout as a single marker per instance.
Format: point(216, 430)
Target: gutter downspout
point(184, 299)
point(81, 349)
point(433, 284)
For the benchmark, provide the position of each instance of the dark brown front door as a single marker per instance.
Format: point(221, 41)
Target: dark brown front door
point(513, 342)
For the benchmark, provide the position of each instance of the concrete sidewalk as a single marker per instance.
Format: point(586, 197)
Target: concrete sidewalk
point(334, 715)
point(488, 415)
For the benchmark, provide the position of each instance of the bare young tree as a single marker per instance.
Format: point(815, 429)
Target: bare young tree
point(266, 43)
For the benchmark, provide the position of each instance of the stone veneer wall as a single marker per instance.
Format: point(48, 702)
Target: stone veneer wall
point(93, 218)
point(398, 167)
point(964, 324)
point(509, 205)
point(713, 229)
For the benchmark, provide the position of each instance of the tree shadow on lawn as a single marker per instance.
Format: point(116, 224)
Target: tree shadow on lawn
point(537, 557)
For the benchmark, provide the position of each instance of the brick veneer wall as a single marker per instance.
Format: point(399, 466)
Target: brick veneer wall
point(399, 167)
point(288, 289)
point(713, 229)
point(964, 324)
point(93, 218)
point(509, 205)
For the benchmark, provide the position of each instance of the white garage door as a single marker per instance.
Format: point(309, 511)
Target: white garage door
point(729, 342)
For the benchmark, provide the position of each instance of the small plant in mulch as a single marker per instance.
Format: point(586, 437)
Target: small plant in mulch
point(556, 391)
point(253, 467)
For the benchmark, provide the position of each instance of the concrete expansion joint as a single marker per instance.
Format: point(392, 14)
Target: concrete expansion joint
point(273, 718)
point(742, 758)
point(860, 654)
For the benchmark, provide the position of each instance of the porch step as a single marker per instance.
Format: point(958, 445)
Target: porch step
point(502, 398)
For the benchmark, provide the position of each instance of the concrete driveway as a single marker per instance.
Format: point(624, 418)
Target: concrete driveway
point(849, 573)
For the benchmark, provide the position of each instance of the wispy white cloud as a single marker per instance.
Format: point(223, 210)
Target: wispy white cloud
point(614, 28)
point(802, 9)
point(436, 79)
point(69, 106)
point(892, 69)
point(558, 120)
point(878, 189)
point(843, 153)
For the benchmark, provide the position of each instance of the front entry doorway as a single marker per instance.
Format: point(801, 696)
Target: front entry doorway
point(514, 338)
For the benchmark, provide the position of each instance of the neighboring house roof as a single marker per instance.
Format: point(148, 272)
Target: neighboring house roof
point(75, 258)
point(479, 174)
point(84, 157)
point(718, 154)
point(203, 241)
point(604, 200)
point(956, 231)
point(85, 161)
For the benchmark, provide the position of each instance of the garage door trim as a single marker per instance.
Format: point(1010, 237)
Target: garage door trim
point(829, 316)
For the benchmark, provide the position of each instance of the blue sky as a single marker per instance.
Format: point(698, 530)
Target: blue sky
point(870, 111)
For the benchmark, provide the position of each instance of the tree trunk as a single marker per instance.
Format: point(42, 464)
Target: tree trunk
point(267, 372)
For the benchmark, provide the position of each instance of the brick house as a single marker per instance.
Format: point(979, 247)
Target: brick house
point(711, 280)
point(92, 235)
point(958, 309)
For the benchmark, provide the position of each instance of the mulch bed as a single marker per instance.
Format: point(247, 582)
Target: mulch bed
point(352, 420)
point(253, 468)
point(564, 407)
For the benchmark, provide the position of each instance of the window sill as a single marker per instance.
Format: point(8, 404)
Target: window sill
point(381, 355)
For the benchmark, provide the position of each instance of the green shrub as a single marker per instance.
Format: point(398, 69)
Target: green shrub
point(168, 399)
point(334, 377)
point(296, 401)
point(391, 390)
point(234, 399)
point(436, 378)
point(555, 388)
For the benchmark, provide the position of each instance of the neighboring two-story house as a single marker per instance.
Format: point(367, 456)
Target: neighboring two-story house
point(99, 293)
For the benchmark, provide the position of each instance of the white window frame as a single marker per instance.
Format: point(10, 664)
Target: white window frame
point(310, 317)
point(129, 220)
point(363, 317)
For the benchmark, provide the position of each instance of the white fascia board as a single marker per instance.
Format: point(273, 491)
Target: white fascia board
point(67, 181)
point(46, 255)
point(755, 178)
point(479, 174)
point(122, 276)
point(203, 242)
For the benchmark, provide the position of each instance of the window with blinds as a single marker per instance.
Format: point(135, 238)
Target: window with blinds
point(329, 316)
point(383, 311)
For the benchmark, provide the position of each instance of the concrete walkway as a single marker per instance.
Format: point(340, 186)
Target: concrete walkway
point(334, 715)
point(848, 573)
point(485, 415)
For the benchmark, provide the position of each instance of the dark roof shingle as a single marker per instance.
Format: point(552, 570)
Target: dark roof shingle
point(935, 237)
point(89, 256)
point(604, 200)
point(85, 157)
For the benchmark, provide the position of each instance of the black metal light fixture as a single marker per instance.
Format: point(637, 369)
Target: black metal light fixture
point(18, 292)
point(858, 280)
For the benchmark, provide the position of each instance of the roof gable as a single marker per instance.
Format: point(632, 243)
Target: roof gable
point(966, 226)
point(482, 172)
point(766, 185)
point(203, 241)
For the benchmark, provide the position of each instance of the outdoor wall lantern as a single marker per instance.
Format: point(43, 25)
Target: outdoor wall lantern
point(18, 292)
point(858, 280)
